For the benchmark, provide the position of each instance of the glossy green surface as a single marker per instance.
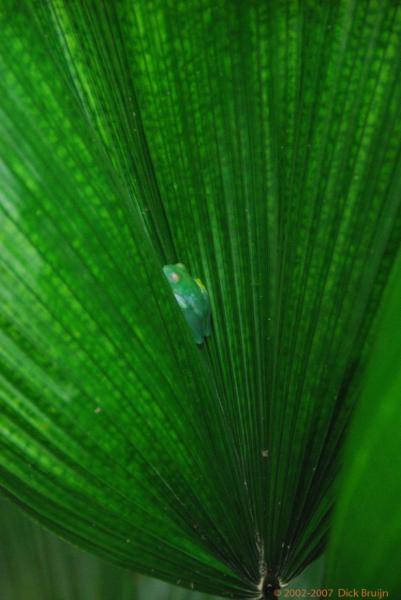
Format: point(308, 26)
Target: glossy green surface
point(259, 143)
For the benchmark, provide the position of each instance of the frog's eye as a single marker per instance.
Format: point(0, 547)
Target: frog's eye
point(174, 276)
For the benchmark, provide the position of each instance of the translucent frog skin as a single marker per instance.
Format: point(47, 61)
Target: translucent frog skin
point(193, 299)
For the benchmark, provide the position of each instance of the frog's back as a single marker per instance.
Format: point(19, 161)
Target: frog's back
point(192, 298)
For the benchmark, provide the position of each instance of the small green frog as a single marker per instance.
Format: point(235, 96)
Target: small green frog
point(193, 299)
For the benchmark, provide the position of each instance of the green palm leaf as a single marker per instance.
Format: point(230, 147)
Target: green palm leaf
point(35, 565)
point(365, 544)
point(258, 143)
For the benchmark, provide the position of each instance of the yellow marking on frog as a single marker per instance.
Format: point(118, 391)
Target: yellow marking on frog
point(200, 284)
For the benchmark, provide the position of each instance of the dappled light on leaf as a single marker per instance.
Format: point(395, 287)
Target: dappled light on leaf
point(260, 145)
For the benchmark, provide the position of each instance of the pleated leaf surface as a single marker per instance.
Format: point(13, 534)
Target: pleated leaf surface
point(258, 143)
point(365, 543)
point(35, 565)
